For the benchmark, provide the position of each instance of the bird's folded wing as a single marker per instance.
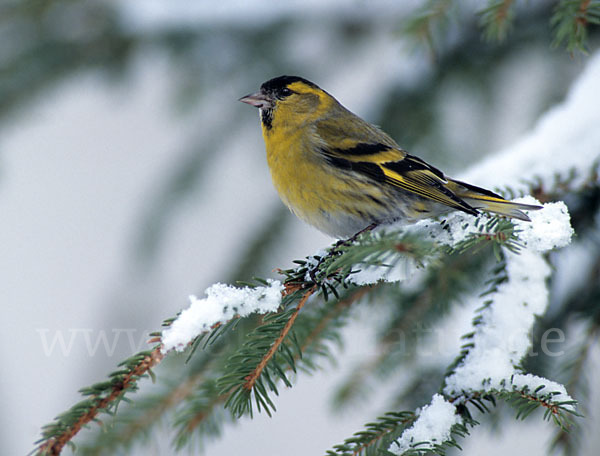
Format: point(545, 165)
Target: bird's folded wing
point(393, 166)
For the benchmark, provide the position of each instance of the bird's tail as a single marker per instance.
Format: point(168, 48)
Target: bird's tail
point(480, 198)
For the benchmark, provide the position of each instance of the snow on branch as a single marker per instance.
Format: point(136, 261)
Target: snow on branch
point(432, 428)
point(501, 337)
point(564, 144)
point(456, 228)
point(222, 303)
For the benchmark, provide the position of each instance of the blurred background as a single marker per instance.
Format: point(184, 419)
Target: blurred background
point(131, 177)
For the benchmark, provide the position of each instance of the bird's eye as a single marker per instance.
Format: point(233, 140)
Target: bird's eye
point(286, 92)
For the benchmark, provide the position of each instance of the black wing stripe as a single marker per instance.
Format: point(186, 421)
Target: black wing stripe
point(412, 163)
point(362, 149)
point(368, 169)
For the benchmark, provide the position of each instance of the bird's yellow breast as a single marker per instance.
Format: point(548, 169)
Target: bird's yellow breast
point(293, 165)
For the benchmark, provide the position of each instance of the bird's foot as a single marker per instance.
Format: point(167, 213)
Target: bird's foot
point(335, 250)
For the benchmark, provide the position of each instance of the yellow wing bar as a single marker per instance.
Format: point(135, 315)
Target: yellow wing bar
point(393, 166)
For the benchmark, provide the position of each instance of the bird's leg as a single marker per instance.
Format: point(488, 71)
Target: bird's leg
point(338, 244)
point(353, 238)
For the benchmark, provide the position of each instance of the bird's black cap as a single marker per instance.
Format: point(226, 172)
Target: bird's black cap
point(276, 84)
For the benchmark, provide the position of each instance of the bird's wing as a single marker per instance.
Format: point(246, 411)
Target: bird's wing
point(392, 166)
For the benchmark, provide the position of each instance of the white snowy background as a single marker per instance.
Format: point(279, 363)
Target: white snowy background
point(79, 167)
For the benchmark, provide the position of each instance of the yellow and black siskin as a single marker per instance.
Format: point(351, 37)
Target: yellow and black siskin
point(341, 174)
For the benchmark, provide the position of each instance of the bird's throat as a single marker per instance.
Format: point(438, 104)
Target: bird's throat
point(266, 117)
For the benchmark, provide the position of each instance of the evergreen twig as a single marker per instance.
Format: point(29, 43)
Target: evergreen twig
point(255, 374)
point(497, 19)
point(105, 396)
point(312, 338)
point(429, 19)
point(376, 436)
point(570, 21)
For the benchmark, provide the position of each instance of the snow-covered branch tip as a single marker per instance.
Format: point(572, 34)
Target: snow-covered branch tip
point(221, 304)
point(501, 338)
point(432, 429)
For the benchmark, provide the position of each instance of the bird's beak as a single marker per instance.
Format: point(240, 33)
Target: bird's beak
point(259, 100)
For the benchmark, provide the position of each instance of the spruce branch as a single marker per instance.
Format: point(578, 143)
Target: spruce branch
point(524, 400)
point(497, 18)
point(277, 343)
point(525, 392)
point(329, 285)
point(104, 398)
point(106, 395)
point(431, 17)
point(253, 376)
point(394, 433)
point(272, 350)
point(376, 436)
point(140, 418)
point(200, 415)
point(571, 19)
point(496, 232)
point(313, 328)
point(448, 279)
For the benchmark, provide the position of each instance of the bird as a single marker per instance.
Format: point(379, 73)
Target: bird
point(343, 175)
